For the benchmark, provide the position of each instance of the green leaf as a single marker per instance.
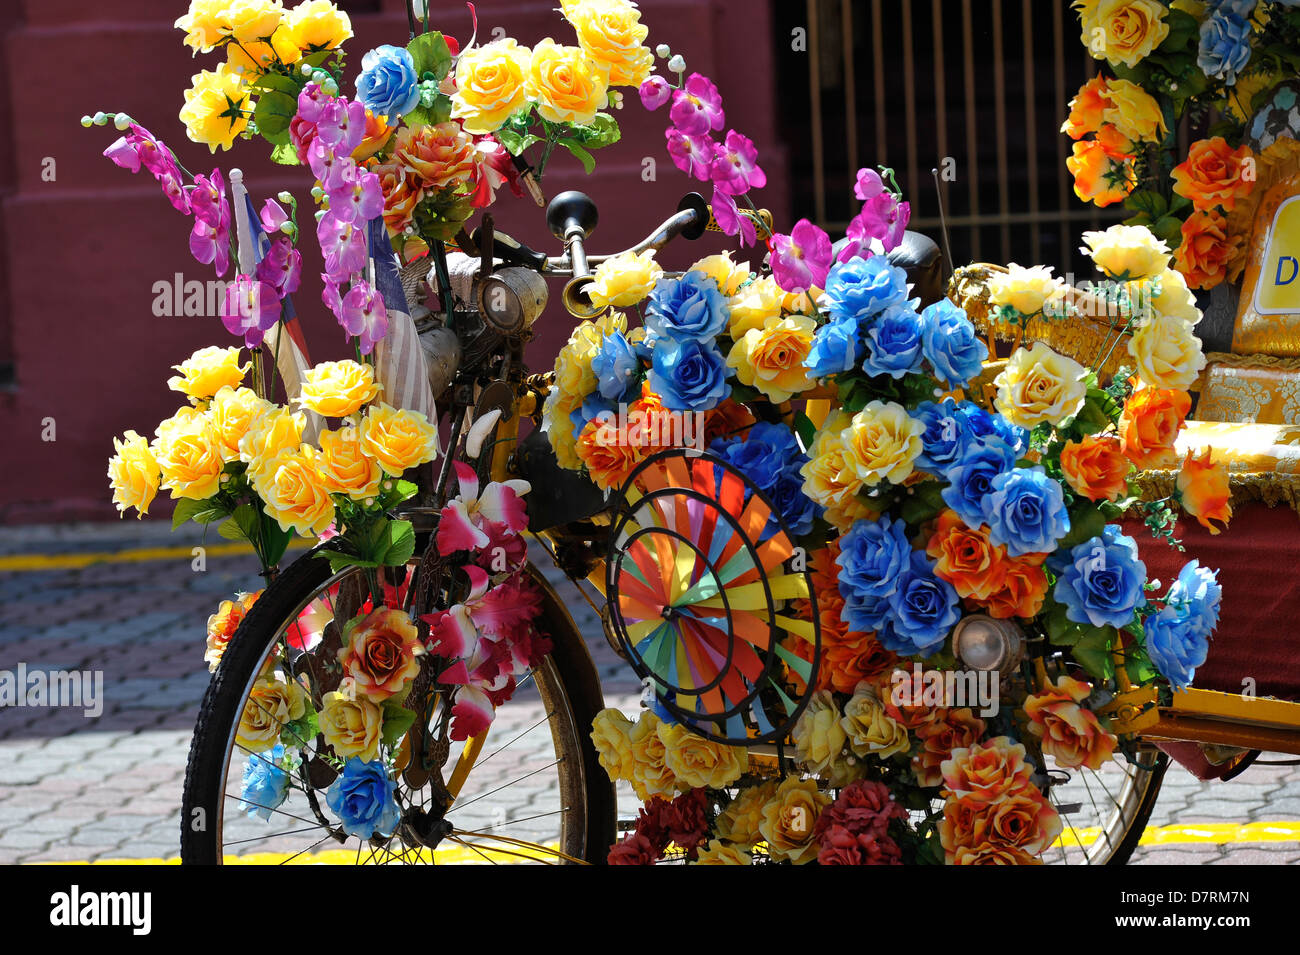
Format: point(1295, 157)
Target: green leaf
point(1092, 652)
point(399, 544)
point(275, 539)
point(1086, 522)
point(302, 731)
point(286, 154)
point(201, 512)
point(339, 561)
point(273, 113)
point(431, 54)
point(804, 428)
point(397, 721)
point(231, 531)
point(587, 159)
point(1169, 228)
point(516, 143)
point(280, 83)
point(1146, 201)
point(600, 132)
point(922, 504)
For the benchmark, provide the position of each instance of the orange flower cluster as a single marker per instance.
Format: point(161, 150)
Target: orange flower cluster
point(424, 160)
point(1203, 488)
point(957, 729)
point(1214, 174)
point(1102, 166)
point(1206, 249)
point(1095, 468)
point(611, 449)
point(848, 656)
point(1150, 424)
point(994, 815)
point(1068, 732)
point(983, 573)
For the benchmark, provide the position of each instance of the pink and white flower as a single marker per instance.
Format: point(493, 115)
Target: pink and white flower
point(461, 525)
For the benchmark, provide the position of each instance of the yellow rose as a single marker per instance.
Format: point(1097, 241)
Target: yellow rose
point(251, 20)
point(133, 474)
point(1134, 112)
point(611, 33)
point(188, 455)
point(207, 371)
point(1127, 252)
point(829, 477)
point(699, 763)
point(204, 24)
point(718, 853)
point(217, 107)
point(1175, 297)
point(397, 439)
point(567, 85)
point(271, 705)
point(870, 730)
point(573, 374)
point(1039, 385)
point(728, 275)
point(881, 442)
point(753, 305)
point(351, 725)
point(317, 25)
point(490, 85)
point(789, 819)
point(818, 737)
point(771, 358)
point(624, 279)
point(336, 389)
point(611, 732)
point(739, 822)
point(232, 412)
point(293, 493)
point(281, 430)
point(344, 466)
point(559, 428)
point(261, 57)
point(650, 775)
point(1167, 353)
point(1028, 291)
point(1122, 31)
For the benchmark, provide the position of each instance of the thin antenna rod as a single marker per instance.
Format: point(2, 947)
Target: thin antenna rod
point(943, 222)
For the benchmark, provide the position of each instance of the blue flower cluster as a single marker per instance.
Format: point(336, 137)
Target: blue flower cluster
point(265, 784)
point(388, 84)
point(1178, 637)
point(1100, 581)
point(871, 315)
point(1225, 41)
point(893, 590)
point(769, 455)
point(362, 798)
point(683, 320)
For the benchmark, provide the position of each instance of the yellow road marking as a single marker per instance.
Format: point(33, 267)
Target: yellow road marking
point(22, 562)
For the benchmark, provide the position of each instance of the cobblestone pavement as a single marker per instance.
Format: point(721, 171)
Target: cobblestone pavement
point(79, 788)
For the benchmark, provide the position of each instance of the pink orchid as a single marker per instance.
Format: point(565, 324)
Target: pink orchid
point(355, 195)
point(250, 309)
point(460, 526)
point(326, 165)
point(801, 260)
point(125, 153)
point(330, 293)
point(342, 125)
point(272, 216)
point(735, 168)
point(281, 267)
point(173, 188)
point(208, 201)
point(363, 315)
point(691, 154)
point(730, 219)
point(471, 714)
point(882, 217)
point(312, 102)
point(343, 244)
point(869, 184)
point(209, 246)
point(655, 91)
point(697, 107)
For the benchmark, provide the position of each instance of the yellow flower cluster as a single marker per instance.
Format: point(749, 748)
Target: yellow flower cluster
point(659, 759)
point(1027, 291)
point(624, 279)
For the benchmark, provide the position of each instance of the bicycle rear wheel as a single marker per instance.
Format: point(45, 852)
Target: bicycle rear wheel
point(529, 789)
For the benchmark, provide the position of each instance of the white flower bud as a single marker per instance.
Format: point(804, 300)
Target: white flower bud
point(87, 121)
point(677, 64)
point(284, 196)
point(662, 51)
point(121, 121)
point(100, 118)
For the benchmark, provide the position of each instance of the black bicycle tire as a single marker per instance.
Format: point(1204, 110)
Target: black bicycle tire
point(1137, 825)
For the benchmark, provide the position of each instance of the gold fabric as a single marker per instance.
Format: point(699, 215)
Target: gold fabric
point(1255, 389)
point(1268, 334)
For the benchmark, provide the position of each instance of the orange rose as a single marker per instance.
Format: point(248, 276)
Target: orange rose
point(438, 156)
point(1024, 820)
point(1206, 249)
point(1024, 587)
point(1117, 147)
point(1150, 423)
point(966, 558)
point(223, 624)
point(985, 772)
point(1211, 174)
point(727, 420)
point(380, 652)
point(957, 730)
point(1069, 732)
point(1095, 468)
point(377, 135)
point(1086, 109)
point(657, 431)
point(910, 716)
point(608, 455)
point(402, 193)
point(1099, 178)
point(1203, 488)
point(993, 855)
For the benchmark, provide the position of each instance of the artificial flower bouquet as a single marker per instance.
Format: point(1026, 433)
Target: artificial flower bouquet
point(927, 521)
point(1176, 62)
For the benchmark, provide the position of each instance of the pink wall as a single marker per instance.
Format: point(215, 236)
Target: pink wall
point(81, 253)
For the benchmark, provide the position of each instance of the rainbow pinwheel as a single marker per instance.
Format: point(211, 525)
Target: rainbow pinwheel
point(702, 608)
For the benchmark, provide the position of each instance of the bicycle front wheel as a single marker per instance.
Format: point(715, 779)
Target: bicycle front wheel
point(528, 789)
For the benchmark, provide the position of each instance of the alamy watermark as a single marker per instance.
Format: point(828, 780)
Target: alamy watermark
point(53, 688)
point(954, 689)
point(657, 428)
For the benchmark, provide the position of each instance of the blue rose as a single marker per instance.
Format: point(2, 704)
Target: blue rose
point(872, 556)
point(1175, 645)
point(894, 342)
point(1026, 512)
point(986, 427)
point(1197, 594)
point(1225, 46)
point(762, 454)
point(688, 375)
point(617, 366)
point(686, 309)
point(362, 798)
point(860, 288)
point(971, 480)
point(835, 348)
point(795, 508)
point(946, 438)
point(388, 84)
point(266, 783)
point(1101, 583)
point(950, 344)
point(924, 607)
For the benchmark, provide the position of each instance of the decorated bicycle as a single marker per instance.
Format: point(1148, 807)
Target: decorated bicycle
point(875, 581)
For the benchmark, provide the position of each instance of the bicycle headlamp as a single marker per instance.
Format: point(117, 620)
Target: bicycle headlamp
point(983, 643)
